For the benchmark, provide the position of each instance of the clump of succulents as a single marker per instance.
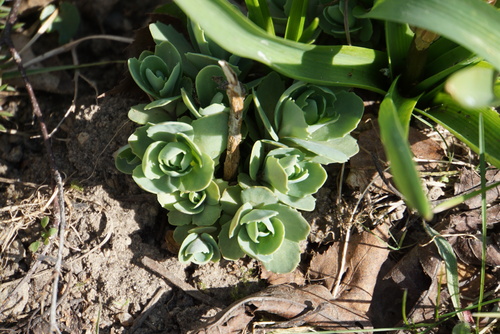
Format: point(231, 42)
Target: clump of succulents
point(290, 130)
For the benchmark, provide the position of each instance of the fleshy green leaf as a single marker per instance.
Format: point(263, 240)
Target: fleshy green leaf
point(210, 134)
point(296, 227)
point(285, 259)
point(126, 161)
point(258, 196)
point(140, 115)
point(229, 247)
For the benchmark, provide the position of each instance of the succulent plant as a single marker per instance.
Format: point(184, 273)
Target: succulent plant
point(289, 131)
point(310, 117)
point(199, 247)
point(265, 230)
point(159, 74)
point(286, 170)
point(170, 160)
point(199, 208)
point(334, 17)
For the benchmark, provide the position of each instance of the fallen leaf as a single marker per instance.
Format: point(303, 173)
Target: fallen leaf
point(469, 179)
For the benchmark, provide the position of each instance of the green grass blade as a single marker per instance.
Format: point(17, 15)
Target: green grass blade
point(464, 124)
point(398, 38)
point(296, 20)
point(394, 138)
point(258, 12)
point(484, 231)
point(323, 65)
point(471, 23)
point(450, 260)
point(457, 200)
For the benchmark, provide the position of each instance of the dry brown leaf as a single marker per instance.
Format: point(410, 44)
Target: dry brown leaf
point(362, 166)
point(469, 179)
point(311, 305)
point(295, 277)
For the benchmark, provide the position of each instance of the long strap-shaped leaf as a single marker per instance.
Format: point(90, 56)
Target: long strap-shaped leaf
point(325, 65)
point(393, 120)
point(471, 23)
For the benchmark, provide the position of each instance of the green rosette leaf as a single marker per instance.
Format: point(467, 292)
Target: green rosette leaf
point(171, 161)
point(199, 249)
point(158, 74)
point(200, 208)
point(260, 228)
point(125, 160)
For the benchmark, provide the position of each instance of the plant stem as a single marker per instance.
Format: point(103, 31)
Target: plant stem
point(236, 94)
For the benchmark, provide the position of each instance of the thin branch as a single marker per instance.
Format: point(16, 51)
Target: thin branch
point(59, 217)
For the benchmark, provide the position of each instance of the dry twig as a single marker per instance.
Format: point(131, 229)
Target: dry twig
point(59, 217)
point(236, 94)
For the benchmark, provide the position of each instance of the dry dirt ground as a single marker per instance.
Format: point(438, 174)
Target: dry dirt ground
point(120, 275)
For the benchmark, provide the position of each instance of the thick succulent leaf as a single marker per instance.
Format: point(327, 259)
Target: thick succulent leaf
point(177, 218)
point(398, 151)
point(206, 87)
point(162, 32)
point(150, 161)
point(199, 248)
point(275, 174)
point(266, 245)
point(264, 119)
point(349, 108)
point(464, 124)
point(210, 134)
point(171, 85)
point(290, 120)
point(337, 150)
point(305, 203)
point(296, 227)
point(134, 67)
point(258, 196)
point(126, 161)
point(139, 141)
point(208, 217)
point(234, 225)
point(163, 102)
point(200, 176)
point(169, 54)
point(156, 186)
point(231, 199)
point(315, 180)
point(140, 115)
point(229, 247)
point(325, 65)
point(168, 131)
point(285, 259)
point(471, 23)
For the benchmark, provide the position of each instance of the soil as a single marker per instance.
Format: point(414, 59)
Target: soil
point(120, 273)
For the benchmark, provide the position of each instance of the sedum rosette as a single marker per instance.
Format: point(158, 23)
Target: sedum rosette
point(199, 247)
point(266, 230)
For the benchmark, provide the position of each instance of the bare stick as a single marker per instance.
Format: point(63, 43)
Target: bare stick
point(180, 284)
point(236, 94)
point(59, 217)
